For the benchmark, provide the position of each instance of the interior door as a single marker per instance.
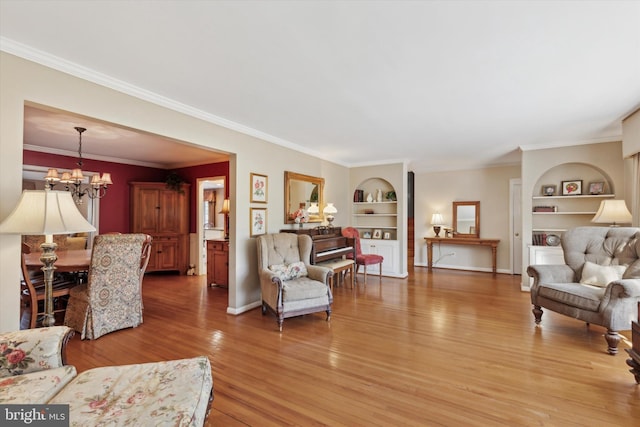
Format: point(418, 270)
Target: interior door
point(515, 192)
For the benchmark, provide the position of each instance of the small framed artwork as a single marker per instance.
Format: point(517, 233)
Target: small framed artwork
point(548, 190)
point(572, 188)
point(596, 187)
point(258, 188)
point(258, 218)
point(366, 235)
point(386, 235)
point(377, 234)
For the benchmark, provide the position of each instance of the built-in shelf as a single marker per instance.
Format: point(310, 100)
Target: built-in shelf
point(564, 213)
point(582, 196)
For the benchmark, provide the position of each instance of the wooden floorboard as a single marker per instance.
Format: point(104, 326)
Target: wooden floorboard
point(446, 348)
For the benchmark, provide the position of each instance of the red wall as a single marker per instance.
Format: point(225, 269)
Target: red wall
point(114, 207)
point(191, 174)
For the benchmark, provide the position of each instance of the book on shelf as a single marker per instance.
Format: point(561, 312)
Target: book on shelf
point(545, 209)
point(539, 239)
point(358, 196)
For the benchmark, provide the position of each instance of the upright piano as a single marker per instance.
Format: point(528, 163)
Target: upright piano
point(328, 243)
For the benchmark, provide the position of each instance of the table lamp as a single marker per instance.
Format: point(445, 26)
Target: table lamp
point(46, 212)
point(437, 221)
point(328, 212)
point(612, 212)
point(225, 210)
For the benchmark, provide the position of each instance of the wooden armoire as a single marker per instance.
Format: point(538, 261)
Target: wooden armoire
point(162, 213)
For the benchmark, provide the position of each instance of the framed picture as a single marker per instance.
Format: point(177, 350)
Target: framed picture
point(366, 235)
point(377, 234)
point(548, 190)
point(258, 188)
point(258, 218)
point(596, 187)
point(386, 235)
point(572, 188)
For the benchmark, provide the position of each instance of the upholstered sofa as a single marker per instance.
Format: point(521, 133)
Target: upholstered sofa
point(599, 282)
point(33, 370)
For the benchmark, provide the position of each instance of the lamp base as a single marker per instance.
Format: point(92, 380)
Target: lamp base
point(436, 229)
point(48, 259)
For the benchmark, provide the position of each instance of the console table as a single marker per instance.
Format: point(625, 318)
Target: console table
point(467, 241)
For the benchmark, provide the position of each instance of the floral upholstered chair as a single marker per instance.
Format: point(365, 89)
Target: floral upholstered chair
point(290, 285)
point(111, 299)
point(33, 366)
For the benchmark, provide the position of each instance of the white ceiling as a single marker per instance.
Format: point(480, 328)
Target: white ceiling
point(443, 85)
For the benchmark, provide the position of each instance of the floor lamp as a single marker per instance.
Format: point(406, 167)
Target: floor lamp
point(46, 212)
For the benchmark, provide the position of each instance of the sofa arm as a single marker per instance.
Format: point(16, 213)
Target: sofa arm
point(624, 288)
point(32, 350)
point(551, 273)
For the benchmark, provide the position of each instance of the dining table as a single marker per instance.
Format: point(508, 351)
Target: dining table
point(68, 260)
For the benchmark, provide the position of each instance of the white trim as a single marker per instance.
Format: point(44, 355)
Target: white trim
point(68, 153)
point(244, 308)
point(562, 144)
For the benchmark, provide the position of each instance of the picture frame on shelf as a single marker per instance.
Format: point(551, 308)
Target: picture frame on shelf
point(366, 235)
point(377, 234)
point(572, 187)
point(258, 188)
point(386, 235)
point(549, 190)
point(258, 221)
point(596, 187)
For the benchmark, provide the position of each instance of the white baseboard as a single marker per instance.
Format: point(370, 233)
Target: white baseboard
point(244, 308)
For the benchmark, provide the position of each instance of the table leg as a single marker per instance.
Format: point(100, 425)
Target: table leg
point(430, 255)
point(494, 256)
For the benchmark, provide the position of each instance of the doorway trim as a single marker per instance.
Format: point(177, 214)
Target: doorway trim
point(201, 266)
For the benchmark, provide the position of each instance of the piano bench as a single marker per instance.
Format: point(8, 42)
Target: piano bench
point(340, 267)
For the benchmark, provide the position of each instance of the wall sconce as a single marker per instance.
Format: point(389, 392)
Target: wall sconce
point(437, 221)
point(612, 212)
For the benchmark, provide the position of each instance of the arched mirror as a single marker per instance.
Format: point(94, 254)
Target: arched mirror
point(301, 192)
point(466, 219)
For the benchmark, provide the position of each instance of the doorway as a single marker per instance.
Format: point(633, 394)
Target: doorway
point(211, 222)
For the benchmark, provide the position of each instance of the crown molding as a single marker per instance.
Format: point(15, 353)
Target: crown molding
point(43, 58)
point(74, 154)
point(562, 144)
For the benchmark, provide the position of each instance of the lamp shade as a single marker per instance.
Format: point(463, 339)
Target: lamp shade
point(437, 219)
point(612, 212)
point(45, 212)
point(225, 207)
point(330, 209)
point(314, 209)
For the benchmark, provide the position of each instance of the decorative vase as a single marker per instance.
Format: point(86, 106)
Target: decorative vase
point(379, 196)
point(300, 225)
point(369, 198)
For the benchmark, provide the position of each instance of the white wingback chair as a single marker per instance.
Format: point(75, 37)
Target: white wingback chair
point(290, 285)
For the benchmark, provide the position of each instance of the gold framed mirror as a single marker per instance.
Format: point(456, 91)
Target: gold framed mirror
point(466, 219)
point(301, 192)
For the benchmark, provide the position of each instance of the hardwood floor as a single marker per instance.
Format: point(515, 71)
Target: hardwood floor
point(447, 348)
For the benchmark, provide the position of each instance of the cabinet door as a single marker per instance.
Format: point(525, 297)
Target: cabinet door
point(388, 249)
point(221, 268)
point(171, 211)
point(167, 255)
point(146, 208)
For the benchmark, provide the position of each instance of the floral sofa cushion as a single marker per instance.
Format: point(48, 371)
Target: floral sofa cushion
point(31, 350)
point(35, 387)
point(161, 393)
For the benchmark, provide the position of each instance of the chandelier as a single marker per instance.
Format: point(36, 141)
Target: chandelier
point(73, 180)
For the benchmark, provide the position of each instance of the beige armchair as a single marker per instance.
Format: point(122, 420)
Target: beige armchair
point(111, 299)
point(600, 282)
point(290, 285)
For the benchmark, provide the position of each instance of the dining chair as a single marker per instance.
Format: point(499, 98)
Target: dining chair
point(111, 299)
point(362, 259)
point(32, 293)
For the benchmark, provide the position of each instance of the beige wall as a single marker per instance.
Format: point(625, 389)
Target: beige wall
point(435, 192)
point(22, 80)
